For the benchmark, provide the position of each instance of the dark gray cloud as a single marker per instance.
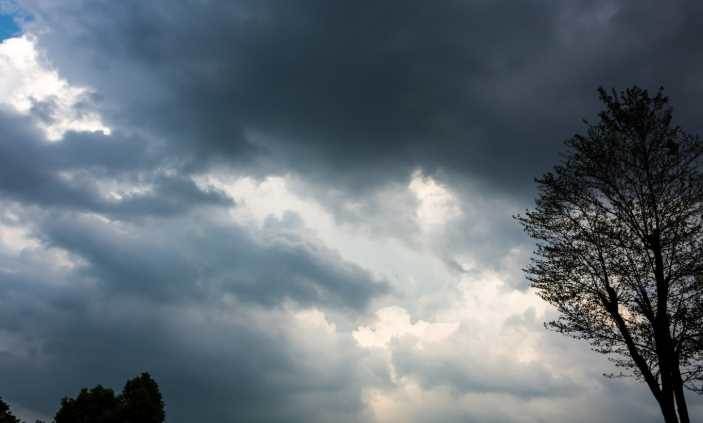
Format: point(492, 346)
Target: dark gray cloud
point(180, 297)
point(212, 363)
point(197, 259)
point(156, 275)
point(67, 174)
point(360, 92)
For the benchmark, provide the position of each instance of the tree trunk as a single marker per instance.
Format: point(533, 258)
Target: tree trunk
point(665, 358)
point(666, 403)
point(679, 395)
point(662, 337)
point(669, 413)
point(665, 398)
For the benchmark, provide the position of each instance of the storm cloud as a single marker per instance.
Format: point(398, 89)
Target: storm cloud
point(393, 85)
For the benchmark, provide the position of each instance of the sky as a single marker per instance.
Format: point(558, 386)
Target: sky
point(8, 28)
point(301, 211)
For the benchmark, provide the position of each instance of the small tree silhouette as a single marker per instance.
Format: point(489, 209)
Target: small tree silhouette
point(97, 405)
point(5, 413)
point(140, 402)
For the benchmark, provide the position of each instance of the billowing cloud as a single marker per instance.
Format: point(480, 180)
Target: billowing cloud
point(428, 85)
point(29, 85)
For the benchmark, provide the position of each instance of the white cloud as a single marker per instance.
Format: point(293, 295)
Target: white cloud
point(21, 250)
point(26, 79)
point(409, 268)
point(16, 238)
point(393, 322)
point(473, 321)
point(437, 204)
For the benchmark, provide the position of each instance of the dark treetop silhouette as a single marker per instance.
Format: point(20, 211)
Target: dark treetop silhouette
point(619, 237)
point(6, 415)
point(140, 402)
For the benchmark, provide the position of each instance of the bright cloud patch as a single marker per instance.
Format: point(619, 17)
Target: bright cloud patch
point(29, 84)
point(437, 204)
point(394, 322)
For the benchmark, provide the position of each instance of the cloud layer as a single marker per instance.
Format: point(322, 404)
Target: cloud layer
point(301, 211)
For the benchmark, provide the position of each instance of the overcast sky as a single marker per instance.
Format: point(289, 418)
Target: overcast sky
point(300, 211)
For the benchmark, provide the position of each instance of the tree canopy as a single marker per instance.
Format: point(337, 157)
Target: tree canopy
point(139, 402)
point(619, 233)
point(97, 405)
point(6, 415)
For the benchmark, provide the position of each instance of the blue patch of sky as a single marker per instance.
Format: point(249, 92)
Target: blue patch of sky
point(8, 27)
point(10, 15)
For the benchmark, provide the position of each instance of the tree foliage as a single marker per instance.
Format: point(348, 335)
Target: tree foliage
point(139, 402)
point(97, 405)
point(619, 233)
point(6, 415)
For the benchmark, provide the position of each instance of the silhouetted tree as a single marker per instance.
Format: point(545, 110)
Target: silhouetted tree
point(141, 401)
point(97, 405)
point(619, 251)
point(5, 413)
